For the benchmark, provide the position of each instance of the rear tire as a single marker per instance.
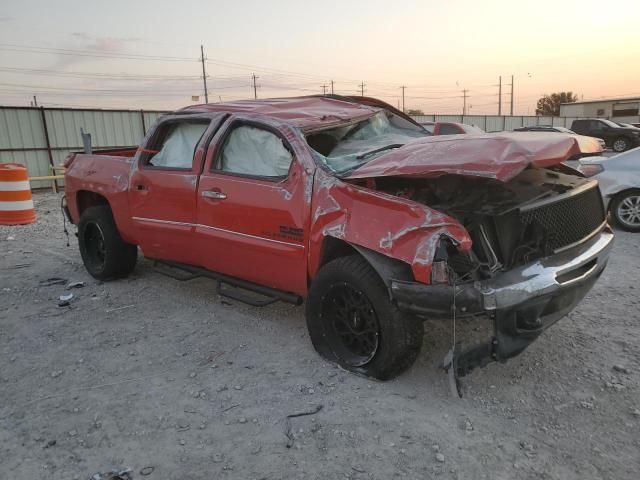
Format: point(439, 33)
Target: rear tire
point(104, 253)
point(620, 144)
point(625, 209)
point(352, 321)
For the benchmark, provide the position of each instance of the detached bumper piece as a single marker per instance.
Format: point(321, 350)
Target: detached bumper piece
point(522, 302)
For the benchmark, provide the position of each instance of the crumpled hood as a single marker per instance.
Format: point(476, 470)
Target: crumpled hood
point(499, 156)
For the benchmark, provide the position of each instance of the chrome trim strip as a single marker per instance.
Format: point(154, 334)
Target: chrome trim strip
point(250, 236)
point(198, 225)
point(166, 222)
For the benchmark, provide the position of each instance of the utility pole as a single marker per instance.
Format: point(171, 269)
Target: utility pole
point(403, 87)
point(500, 95)
point(331, 87)
point(35, 101)
point(511, 95)
point(464, 101)
point(255, 87)
point(204, 75)
point(362, 85)
point(324, 89)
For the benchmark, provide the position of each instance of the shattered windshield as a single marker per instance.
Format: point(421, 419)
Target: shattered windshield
point(345, 147)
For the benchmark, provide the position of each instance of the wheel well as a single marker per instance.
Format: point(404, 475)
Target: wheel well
point(621, 193)
point(388, 268)
point(333, 248)
point(88, 199)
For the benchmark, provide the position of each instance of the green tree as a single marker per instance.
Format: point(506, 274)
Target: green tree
point(414, 111)
point(550, 104)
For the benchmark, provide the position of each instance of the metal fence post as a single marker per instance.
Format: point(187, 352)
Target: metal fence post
point(46, 137)
point(144, 128)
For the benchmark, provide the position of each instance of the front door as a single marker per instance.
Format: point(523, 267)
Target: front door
point(252, 209)
point(163, 187)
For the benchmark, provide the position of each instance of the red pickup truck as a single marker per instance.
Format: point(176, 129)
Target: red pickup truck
point(349, 203)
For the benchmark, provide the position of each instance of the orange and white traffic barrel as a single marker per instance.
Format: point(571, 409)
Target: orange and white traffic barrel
point(16, 204)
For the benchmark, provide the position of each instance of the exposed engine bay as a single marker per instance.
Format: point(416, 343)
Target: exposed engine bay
point(538, 213)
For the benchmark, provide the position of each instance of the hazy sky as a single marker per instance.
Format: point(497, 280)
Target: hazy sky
point(136, 54)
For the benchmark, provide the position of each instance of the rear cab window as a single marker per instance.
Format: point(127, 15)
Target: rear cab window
point(173, 145)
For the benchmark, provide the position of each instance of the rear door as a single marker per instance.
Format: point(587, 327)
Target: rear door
point(251, 207)
point(163, 187)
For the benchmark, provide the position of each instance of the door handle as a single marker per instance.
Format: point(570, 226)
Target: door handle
point(216, 195)
point(141, 186)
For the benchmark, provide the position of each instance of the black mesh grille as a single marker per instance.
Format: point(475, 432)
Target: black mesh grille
point(567, 221)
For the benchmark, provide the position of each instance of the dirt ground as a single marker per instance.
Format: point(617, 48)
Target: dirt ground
point(167, 379)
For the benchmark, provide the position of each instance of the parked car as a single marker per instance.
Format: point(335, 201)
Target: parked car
point(428, 126)
point(349, 203)
point(451, 128)
point(544, 128)
point(616, 137)
point(627, 125)
point(550, 128)
point(619, 179)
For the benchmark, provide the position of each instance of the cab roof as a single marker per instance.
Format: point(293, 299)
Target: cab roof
point(308, 112)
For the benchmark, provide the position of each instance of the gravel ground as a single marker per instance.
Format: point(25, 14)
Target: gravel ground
point(173, 382)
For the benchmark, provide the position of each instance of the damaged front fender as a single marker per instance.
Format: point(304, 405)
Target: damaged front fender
point(392, 226)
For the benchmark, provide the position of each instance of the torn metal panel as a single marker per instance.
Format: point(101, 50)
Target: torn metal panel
point(386, 224)
point(497, 156)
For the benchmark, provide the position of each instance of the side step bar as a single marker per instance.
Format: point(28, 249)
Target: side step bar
point(188, 272)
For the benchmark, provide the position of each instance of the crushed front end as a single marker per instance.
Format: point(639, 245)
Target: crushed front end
point(540, 242)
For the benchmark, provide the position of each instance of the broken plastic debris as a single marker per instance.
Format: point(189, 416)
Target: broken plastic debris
point(71, 285)
point(113, 475)
point(64, 300)
point(53, 281)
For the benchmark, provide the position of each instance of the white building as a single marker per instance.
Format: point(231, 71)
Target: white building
point(624, 110)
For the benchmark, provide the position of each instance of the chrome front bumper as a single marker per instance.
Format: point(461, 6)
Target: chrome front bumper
point(549, 275)
point(522, 302)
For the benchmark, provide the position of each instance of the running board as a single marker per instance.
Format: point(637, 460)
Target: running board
point(188, 272)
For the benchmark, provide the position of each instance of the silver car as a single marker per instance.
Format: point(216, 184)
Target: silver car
point(619, 179)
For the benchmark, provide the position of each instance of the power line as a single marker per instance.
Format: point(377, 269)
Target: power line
point(91, 53)
point(103, 75)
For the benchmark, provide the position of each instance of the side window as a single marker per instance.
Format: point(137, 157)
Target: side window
point(253, 151)
point(175, 145)
point(449, 130)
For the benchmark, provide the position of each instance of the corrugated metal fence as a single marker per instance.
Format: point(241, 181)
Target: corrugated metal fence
point(41, 137)
point(497, 123)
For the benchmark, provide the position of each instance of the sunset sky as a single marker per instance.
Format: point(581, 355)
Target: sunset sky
point(144, 54)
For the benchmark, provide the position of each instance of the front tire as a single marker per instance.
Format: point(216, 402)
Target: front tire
point(620, 144)
point(352, 321)
point(104, 253)
point(625, 208)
